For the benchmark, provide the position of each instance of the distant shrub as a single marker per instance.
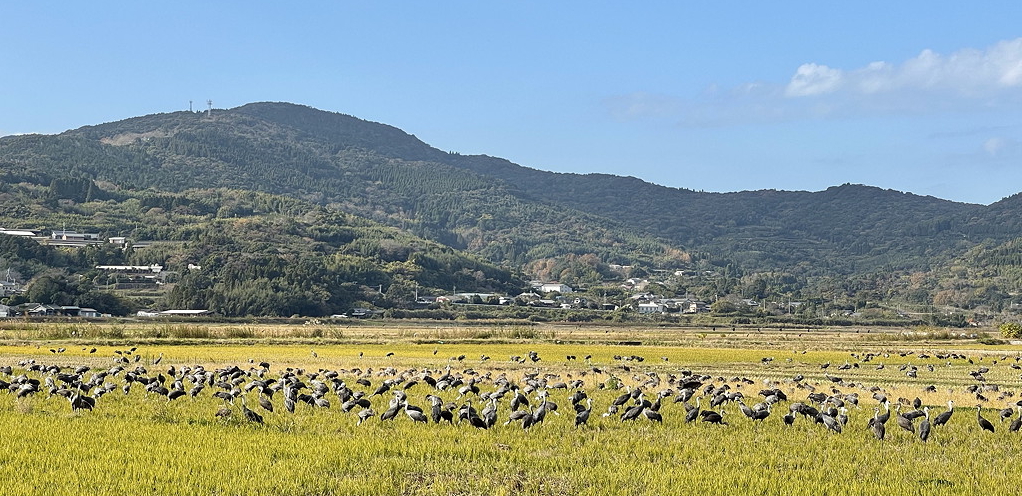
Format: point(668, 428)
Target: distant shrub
point(1011, 330)
point(723, 307)
point(240, 332)
point(112, 332)
point(580, 317)
point(187, 331)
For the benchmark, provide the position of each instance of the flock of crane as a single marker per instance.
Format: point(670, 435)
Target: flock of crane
point(478, 398)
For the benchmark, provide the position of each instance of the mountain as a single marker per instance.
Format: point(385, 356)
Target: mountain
point(340, 161)
point(577, 228)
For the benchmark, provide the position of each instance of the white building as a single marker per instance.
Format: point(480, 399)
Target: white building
point(9, 288)
point(172, 313)
point(89, 313)
point(19, 232)
point(554, 287)
point(155, 269)
point(73, 236)
point(647, 308)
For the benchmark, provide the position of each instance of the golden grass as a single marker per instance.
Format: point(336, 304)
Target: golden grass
point(138, 444)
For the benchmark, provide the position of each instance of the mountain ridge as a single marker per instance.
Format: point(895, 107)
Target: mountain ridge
point(425, 152)
point(500, 209)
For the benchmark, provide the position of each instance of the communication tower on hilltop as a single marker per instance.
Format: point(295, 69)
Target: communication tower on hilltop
point(189, 105)
point(209, 112)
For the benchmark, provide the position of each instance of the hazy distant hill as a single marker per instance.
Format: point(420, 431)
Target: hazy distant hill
point(507, 213)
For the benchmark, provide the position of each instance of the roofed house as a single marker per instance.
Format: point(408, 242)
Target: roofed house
point(134, 269)
point(553, 287)
point(695, 307)
point(89, 313)
point(647, 308)
point(69, 311)
point(9, 288)
point(40, 310)
point(73, 238)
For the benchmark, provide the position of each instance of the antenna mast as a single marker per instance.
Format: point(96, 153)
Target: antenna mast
point(209, 112)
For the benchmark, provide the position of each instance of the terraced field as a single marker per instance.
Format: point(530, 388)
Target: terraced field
point(154, 440)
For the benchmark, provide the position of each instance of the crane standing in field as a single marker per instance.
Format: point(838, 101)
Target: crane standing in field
point(582, 415)
point(354, 387)
point(877, 426)
point(924, 426)
point(944, 417)
point(250, 415)
point(1017, 423)
point(983, 423)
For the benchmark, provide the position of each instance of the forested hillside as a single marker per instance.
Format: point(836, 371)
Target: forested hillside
point(585, 230)
point(339, 162)
point(231, 251)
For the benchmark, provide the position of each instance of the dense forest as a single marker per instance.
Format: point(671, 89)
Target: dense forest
point(279, 199)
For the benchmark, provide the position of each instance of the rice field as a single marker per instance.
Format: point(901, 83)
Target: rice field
point(143, 442)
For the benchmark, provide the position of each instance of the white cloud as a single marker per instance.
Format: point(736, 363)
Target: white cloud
point(993, 146)
point(967, 73)
point(643, 105)
point(1002, 149)
point(813, 79)
point(964, 81)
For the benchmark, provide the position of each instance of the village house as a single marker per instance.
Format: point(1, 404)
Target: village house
point(72, 238)
point(134, 276)
point(695, 307)
point(552, 287)
point(89, 313)
point(527, 297)
point(40, 310)
point(635, 283)
point(648, 308)
point(8, 288)
point(132, 269)
point(644, 297)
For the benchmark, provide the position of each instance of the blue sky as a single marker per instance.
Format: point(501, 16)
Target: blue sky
point(922, 97)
